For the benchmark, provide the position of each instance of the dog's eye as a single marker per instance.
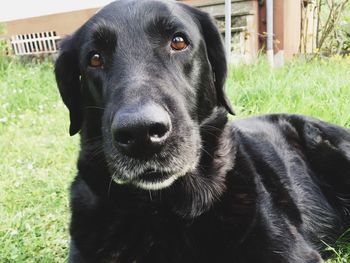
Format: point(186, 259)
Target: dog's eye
point(178, 42)
point(95, 60)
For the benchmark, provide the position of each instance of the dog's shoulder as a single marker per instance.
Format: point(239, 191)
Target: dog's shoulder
point(294, 162)
point(309, 132)
point(257, 134)
point(294, 141)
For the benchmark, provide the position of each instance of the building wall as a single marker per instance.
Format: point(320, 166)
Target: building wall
point(62, 23)
point(292, 21)
point(287, 23)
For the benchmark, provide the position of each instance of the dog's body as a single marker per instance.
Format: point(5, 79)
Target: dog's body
point(163, 176)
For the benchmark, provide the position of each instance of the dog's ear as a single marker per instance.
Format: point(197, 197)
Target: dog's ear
point(217, 58)
point(216, 55)
point(68, 81)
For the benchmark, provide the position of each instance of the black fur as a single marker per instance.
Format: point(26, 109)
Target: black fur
point(267, 189)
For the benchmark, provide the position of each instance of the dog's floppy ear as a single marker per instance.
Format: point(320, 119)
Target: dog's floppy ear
point(68, 80)
point(216, 55)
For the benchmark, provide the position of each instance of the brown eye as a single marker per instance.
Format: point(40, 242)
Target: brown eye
point(178, 43)
point(95, 60)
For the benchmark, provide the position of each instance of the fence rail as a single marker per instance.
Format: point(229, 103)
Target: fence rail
point(35, 43)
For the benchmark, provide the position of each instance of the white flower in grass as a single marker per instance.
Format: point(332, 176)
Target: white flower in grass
point(30, 166)
point(13, 232)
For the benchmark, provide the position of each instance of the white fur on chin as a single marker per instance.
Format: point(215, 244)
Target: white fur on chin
point(143, 184)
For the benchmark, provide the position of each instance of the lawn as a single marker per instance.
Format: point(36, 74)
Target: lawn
point(37, 157)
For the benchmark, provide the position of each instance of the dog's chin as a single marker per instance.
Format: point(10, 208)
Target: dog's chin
point(150, 185)
point(154, 179)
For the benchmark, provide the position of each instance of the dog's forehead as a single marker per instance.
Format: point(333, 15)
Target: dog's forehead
point(123, 5)
point(124, 15)
point(128, 8)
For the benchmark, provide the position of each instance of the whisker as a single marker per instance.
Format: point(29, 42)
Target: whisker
point(207, 152)
point(93, 139)
point(109, 186)
point(111, 117)
point(213, 134)
point(95, 153)
point(94, 107)
point(211, 127)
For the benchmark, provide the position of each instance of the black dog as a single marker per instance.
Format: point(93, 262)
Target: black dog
point(163, 177)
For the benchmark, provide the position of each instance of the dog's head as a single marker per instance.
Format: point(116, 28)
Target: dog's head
point(143, 75)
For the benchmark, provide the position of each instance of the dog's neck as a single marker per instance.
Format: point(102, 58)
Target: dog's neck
point(191, 195)
point(196, 192)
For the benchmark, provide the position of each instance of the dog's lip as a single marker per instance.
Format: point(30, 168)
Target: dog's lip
point(152, 179)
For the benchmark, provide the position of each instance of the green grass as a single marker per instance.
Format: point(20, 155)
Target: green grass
point(37, 157)
point(317, 88)
point(37, 162)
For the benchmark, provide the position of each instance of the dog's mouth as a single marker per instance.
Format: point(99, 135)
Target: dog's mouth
point(178, 156)
point(152, 179)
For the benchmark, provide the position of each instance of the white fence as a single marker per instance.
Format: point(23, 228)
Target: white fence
point(35, 43)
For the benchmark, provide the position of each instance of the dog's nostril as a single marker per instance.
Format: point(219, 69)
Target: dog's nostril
point(141, 132)
point(157, 131)
point(123, 137)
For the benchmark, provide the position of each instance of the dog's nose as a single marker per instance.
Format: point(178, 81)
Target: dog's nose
point(141, 131)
